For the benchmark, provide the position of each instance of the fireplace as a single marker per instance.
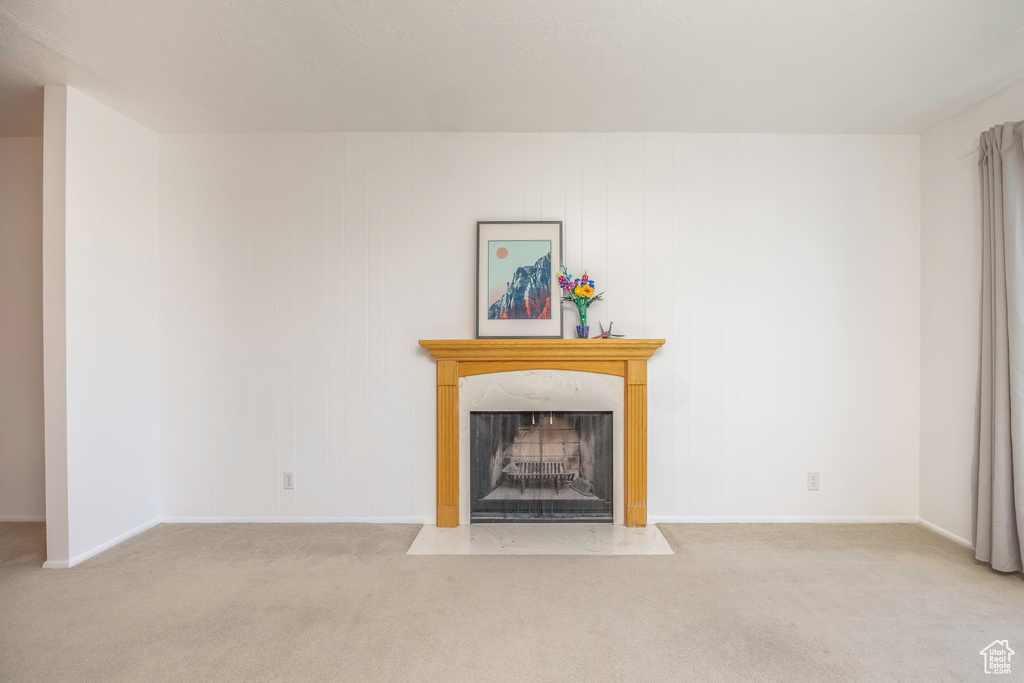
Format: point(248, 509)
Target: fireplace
point(458, 360)
point(541, 466)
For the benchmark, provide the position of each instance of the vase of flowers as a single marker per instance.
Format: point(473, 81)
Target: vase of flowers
point(580, 292)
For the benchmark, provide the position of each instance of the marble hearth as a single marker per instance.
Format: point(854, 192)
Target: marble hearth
point(540, 539)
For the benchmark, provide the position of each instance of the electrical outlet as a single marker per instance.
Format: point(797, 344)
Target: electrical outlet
point(289, 480)
point(812, 481)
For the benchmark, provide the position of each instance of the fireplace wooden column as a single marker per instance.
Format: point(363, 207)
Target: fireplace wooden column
point(626, 358)
point(636, 443)
point(447, 443)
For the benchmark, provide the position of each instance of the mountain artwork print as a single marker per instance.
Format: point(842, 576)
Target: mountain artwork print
point(519, 280)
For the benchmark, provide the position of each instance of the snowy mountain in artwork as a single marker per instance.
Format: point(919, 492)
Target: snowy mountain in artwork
point(528, 295)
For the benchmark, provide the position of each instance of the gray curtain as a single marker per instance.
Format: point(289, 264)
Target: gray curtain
point(999, 452)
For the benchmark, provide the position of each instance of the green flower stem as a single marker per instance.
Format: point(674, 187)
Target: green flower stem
point(581, 307)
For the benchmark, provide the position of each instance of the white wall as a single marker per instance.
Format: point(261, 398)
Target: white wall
point(21, 330)
point(951, 292)
point(299, 271)
point(110, 322)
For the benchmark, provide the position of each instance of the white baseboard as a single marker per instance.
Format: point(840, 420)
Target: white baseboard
point(106, 545)
point(947, 534)
point(22, 518)
point(780, 519)
point(298, 520)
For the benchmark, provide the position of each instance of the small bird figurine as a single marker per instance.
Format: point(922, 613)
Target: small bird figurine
point(607, 334)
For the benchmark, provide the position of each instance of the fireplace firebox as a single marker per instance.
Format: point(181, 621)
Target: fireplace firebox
point(541, 466)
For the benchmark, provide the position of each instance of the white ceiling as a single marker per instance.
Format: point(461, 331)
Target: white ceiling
point(692, 65)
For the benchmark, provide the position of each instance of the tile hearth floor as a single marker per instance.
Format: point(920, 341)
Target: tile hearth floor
point(540, 539)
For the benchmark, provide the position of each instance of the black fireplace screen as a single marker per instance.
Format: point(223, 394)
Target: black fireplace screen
point(541, 466)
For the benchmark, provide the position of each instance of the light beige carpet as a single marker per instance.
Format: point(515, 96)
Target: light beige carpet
point(344, 603)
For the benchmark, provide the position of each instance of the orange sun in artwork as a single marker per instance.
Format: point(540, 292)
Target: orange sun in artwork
point(501, 253)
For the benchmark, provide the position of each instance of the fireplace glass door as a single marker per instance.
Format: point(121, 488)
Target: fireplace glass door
point(541, 466)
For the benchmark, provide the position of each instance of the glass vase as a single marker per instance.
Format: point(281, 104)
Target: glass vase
point(583, 329)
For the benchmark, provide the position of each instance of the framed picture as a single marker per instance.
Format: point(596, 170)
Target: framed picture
point(517, 271)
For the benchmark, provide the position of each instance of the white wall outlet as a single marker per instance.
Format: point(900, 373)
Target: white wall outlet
point(289, 480)
point(812, 481)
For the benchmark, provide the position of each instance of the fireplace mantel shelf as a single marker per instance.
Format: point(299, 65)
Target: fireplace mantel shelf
point(541, 349)
point(626, 358)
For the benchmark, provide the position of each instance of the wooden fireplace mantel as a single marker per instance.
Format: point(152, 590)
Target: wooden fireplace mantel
point(626, 358)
